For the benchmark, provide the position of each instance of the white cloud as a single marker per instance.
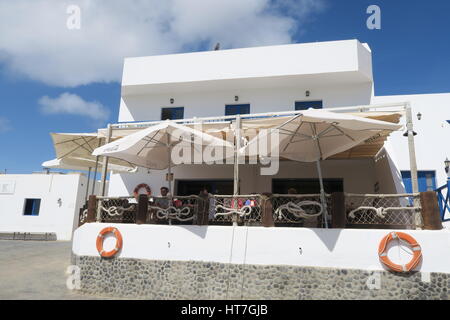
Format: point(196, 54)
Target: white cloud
point(5, 125)
point(35, 42)
point(68, 103)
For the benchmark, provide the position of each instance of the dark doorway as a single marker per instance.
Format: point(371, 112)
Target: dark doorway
point(306, 186)
point(193, 187)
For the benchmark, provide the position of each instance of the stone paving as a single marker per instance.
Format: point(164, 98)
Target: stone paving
point(35, 270)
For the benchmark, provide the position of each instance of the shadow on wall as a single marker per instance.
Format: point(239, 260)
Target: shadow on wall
point(329, 237)
point(388, 176)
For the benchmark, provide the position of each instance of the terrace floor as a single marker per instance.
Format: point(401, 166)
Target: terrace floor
point(35, 270)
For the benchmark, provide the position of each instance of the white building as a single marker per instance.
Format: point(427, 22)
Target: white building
point(273, 79)
point(209, 85)
point(41, 203)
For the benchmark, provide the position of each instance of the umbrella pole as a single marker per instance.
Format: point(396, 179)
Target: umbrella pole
point(96, 170)
point(169, 167)
point(237, 135)
point(87, 184)
point(169, 172)
point(322, 195)
point(105, 163)
point(95, 175)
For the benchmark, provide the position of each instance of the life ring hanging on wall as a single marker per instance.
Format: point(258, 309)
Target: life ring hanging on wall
point(415, 247)
point(101, 238)
point(142, 186)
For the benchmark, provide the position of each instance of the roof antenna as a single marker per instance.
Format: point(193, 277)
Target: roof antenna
point(217, 46)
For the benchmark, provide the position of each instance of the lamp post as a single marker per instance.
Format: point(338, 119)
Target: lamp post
point(412, 149)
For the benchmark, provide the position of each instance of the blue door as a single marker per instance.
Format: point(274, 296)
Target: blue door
point(426, 179)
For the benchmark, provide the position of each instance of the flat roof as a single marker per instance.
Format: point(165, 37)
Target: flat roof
point(347, 61)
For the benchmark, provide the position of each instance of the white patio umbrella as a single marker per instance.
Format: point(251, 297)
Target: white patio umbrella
point(152, 147)
point(80, 146)
point(315, 135)
point(74, 152)
point(79, 164)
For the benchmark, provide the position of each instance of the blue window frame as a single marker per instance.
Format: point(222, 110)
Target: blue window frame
point(426, 180)
point(305, 105)
point(232, 109)
point(32, 207)
point(172, 113)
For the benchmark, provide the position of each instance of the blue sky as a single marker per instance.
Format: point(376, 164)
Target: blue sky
point(410, 55)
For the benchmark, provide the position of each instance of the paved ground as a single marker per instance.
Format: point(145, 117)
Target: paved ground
point(35, 270)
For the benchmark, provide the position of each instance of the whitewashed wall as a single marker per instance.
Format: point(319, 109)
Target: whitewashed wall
point(332, 248)
point(212, 103)
point(62, 220)
point(270, 78)
point(387, 174)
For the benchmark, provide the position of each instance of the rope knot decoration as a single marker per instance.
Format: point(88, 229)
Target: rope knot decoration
point(173, 213)
point(241, 212)
point(381, 212)
point(297, 210)
point(116, 210)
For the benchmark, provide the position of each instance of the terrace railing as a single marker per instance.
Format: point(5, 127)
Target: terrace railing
point(443, 194)
point(174, 210)
point(378, 211)
point(116, 209)
point(242, 209)
point(343, 210)
point(300, 210)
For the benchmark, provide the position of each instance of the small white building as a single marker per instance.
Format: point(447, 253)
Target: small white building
point(41, 203)
point(274, 79)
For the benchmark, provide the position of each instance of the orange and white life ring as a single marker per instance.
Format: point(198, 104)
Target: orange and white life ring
point(101, 238)
point(142, 186)
point(417, 252)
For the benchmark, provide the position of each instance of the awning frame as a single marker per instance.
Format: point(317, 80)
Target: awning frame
point(400, 107)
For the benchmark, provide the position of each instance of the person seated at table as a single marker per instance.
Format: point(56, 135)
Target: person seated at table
point(163, 201)
point(204, 193)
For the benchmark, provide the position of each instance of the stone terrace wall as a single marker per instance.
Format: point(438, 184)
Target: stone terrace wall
point(151, 279)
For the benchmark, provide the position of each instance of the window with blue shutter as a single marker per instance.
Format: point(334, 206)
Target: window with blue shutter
point(232, 109)
point(32, 207)
point(172, 113)
point(305, 105)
